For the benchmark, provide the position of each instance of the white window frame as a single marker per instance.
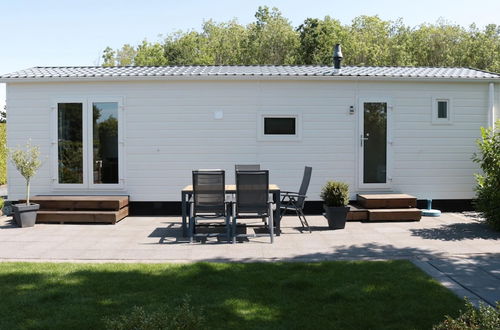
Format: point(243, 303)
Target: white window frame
point(55, 144)
point(90, 142)
point(88, 181)
point(389, 151)
point(279, 137)
point(449, 111)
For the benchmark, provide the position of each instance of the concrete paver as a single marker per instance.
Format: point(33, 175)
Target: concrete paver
point(456, 249)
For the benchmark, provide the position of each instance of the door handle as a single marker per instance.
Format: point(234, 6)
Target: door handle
point(362, 139)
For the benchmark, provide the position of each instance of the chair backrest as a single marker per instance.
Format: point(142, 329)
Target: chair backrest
point(254, 167)
point(252, 191)
point(209, 191)
point(304, 186)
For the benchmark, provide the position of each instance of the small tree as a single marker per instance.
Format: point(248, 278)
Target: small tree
point(488, 183)
point(27, 161)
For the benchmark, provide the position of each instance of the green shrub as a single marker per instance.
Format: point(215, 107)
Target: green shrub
point(335, 193)
point(3, 154)
point(488, 183)
point(484, 318)
point(2, 203)
point(183, 317)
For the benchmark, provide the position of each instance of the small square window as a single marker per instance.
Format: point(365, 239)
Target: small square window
point(442, 109)
point(279, 126)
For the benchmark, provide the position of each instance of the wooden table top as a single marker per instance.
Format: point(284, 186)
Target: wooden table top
point(231, 188)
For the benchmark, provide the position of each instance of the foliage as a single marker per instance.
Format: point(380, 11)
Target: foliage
point(271, 39)
point(183, 317)
point(70, 161)
point(3, 114)
point(2, 203)
point(484, 318)
point(335, 193)
point(27, 162)
point(280, 295)
point(3, 153)
point(488, 183)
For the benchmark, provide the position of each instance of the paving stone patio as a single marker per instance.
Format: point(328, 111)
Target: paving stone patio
point(457, 249)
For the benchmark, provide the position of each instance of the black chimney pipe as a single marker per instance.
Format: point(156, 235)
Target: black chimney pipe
point(337, 56)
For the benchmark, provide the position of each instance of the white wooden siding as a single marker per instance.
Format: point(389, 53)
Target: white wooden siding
point(170, 130)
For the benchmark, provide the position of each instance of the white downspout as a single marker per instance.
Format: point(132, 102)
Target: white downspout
point(491, 106)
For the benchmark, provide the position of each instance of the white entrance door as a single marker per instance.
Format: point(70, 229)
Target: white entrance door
point(374, 144)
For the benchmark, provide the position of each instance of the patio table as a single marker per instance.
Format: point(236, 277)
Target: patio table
point(187, 192)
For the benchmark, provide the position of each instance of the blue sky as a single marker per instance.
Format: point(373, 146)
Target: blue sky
point(52, 32)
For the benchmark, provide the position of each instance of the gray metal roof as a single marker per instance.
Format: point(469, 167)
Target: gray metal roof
point(99, 72)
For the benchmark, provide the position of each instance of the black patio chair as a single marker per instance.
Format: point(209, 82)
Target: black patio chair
point(209, 201)
point(252, 201)
point(294, 201)
point(254, 167)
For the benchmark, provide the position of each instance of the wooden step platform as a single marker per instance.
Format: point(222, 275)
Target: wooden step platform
point(387, 201)
point(357, 213)
point(109, 203)
point(407, 214)
point(384, 207)
point(81, 216)
point(81, 209)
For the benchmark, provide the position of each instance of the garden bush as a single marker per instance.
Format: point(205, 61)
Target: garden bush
point(488, 183)
point(484, 318)
point(335, 193)
point(3, 154)
point(182, 317)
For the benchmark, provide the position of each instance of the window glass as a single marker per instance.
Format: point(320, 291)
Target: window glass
point(105, 142)
point(442, 109)
point(375, 142)
point(70, 143)
point(279, 126)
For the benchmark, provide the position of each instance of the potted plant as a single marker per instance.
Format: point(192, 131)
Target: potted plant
point(336, 197)
point(27, 162)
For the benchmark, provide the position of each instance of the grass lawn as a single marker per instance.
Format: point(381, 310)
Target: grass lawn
point(326, 295)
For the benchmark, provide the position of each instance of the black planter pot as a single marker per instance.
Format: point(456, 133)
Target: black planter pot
point(25, 215)
point(336, 216)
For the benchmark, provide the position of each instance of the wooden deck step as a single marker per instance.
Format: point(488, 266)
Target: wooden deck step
point(51, 216)
point(404, 214)
point(70, 203)
point(357, 213)
point(386, 201)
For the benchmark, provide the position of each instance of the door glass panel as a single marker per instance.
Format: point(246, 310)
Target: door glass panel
point(70, 143)
point(375, 143)
point(105, 142)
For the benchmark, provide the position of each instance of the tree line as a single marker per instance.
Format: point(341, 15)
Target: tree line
point(272, 40)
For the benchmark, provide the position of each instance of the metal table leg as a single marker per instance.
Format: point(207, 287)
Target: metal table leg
point(184, 213)
point(277, 213)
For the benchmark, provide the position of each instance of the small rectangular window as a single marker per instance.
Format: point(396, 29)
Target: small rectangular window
point(442, 109)
point(279, 126)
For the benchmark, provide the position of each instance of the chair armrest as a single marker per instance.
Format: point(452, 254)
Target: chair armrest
point(296, 195)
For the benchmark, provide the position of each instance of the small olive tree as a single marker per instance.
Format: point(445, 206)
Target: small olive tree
point(27, 161)
point(488, 183)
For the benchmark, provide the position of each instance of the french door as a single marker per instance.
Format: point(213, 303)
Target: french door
point(374, 143)
point(87, 144)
